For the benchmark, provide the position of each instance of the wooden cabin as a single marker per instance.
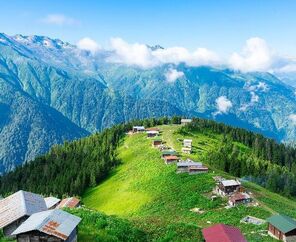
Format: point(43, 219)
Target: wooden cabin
point(137, 129)
point(223, 233)
point(70, 202)
point(197, 170)
point(187, 143)
point(186, 150)
point(282, 227)
point(185, 121)
point(239, 198)
point(228, 187)
point(191, 167)
point(171, 159)
point(156, 142)
point(49, 226)
point(52, 202)
point(152, 133)
point(168, 153)
point(16, 208)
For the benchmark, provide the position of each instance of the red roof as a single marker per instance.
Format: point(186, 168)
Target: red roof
point(223, 233)
point(71, 202)
point(171, 157)
point(238, 196)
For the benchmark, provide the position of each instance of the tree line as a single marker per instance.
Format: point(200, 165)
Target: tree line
point(266, 162)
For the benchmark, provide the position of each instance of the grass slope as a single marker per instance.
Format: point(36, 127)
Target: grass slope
point(149, 193)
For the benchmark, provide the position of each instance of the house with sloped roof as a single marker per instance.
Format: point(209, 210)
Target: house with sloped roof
point(168, 153)
point(282, 227)
point(191, 167)
point(239, 198)
point(137, 129)
point(49, 226)
point(51, 202)
point(228, 187)
point(171, 159)
point(152, 133)
point(16, 208)
point(185, 121)
point(187, 143)
point(70, 202)
point(223, 233)
point(156, 142)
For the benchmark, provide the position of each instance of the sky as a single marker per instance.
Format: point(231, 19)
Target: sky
point(229, 28)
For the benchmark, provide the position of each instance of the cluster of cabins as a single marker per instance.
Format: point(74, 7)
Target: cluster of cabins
point(233, 190)
point(280, 227)
point(27, 216)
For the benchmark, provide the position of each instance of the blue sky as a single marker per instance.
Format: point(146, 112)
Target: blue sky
point(222, 26)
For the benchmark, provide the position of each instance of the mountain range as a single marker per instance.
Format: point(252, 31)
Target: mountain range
point(52, 91)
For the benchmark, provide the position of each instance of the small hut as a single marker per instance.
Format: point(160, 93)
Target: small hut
point(187, 143)
point(239, 198)
point(171, 159)
point(152, 133)
point(70, 202)
point(137, 129)
point(282, 227)
point(156, 142)
point(228, 187)
point(185, 121)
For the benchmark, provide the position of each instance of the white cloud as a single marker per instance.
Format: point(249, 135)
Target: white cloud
point(256, 56)
point(88, 44)
point(172, 75)
point(223, 105)
point(292, 118)
point(176, 55)
point(59, 19)
point(140, 55)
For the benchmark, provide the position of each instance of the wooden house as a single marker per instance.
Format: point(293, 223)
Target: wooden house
point(168, 153)
point(156, 142)
point(187, 143)
point(239, 198)
point(223, 233)
point(52, 202)
point(185, 121)
point(137, 129)
point(228, 187)
point(191, 167)
point(282, 227)
point(197, 169)
point(70, 202)
point(49, 226)
point(16, 208)
point(171, 159)
point(152, 133)
point(187, 150)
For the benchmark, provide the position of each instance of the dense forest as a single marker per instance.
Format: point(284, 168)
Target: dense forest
point(267, 162)
point(72, 167)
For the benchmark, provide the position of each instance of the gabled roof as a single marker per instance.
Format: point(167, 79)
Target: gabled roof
point(230, 183)
point(282, 222)
point(187, 140)
point(223, 233)
point(53, 222)
point(171, 157)
point(51, 201)
point(152, 132)
point(168, 152)
point(139, 127)
point(239, 196)
point(70, 202)
point(180, 164)
point(186, 120)
point(19, 205)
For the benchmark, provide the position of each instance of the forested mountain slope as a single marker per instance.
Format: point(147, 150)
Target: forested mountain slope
point(94, 93)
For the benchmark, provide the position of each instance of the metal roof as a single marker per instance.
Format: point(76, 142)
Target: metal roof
point(139, 127)
point(18, 205)
point(152, 132)
point(51, 201)
point(282, 222)
point(70, 202)
point(186, 120)
point(227, 183)
point(53, 222)
point(189, 164)
point(187, 140)
point(223, 233)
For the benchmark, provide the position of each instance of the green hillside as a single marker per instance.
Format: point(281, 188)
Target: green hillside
point(158, 201)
